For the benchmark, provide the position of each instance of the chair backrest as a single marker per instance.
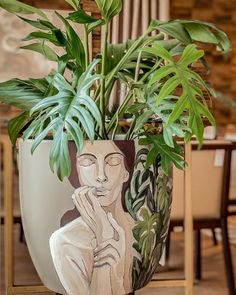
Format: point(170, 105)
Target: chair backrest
point(210, 181)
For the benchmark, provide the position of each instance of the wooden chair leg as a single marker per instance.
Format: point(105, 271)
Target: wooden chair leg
point(227, 257)
point(214, 236)
point(167, 252)
point(22, 236)
point(198, 257)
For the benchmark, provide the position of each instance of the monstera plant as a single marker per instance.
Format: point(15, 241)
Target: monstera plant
point(165, 99)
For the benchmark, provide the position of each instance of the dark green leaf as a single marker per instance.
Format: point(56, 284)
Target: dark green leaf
point(15, 126)
point(81, 17)
point(74, 45)
point(56, 37)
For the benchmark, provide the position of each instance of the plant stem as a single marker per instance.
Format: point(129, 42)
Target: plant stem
point(126, 56)
point(103, 80)
point(128, 97)
point(86, 45)
point(138, 66)
point(120, 110)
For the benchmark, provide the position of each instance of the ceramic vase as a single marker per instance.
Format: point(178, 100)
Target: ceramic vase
point(102, 231)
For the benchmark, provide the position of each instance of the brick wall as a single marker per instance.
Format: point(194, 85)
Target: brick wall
point(220, 12)
point(223, 14)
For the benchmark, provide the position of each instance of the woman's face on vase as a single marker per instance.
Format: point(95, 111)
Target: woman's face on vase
point(101, 165)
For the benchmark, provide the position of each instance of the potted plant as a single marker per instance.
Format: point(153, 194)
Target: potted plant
point(113, 230)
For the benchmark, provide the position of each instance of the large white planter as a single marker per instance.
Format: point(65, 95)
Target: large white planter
point(44, 200)
point(108, 223)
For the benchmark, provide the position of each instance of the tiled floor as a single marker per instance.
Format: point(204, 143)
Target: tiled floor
point(213, 282)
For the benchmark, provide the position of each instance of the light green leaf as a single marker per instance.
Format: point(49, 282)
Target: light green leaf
point(204, 110)
point(180, 106)
point(43, 49)
point(200, 32)
point(190, 55)
point(173, 29)
point(168, 88)
point(109, 8)
point(168, 136)
point(74, 3)
point(15, 6)
point(19, 93)
point(160, 51)
point(161, 73)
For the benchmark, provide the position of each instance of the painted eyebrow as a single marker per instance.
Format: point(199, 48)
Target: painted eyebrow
point(87, 154)
point(116, 153)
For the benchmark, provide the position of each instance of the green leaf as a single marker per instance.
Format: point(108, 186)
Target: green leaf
point(43, 49)
point(74, 45)
point(39, 24)
point(109, 8)
point(160, 51)
point(15, 126)
point(204, 110)
point(81, 17)
point(70, 113)
point(21, 94)
point(201, 33)
point(168, 154)
point(168, 136)
point(161, 73)
point(173, 29)
point(74, 3)
point(60, 155)
point(15, 6)
point(94, 25)
point(56, 37)
point(151, 157)
point(168, 88)
point(180, 106)
point(190, 55)
point(142, 119)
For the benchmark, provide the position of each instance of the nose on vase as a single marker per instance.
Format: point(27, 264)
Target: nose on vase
point(101, 178)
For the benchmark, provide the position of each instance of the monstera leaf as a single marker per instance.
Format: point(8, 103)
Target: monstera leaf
point(177, 74)
point(65, 114)
point(109, 8)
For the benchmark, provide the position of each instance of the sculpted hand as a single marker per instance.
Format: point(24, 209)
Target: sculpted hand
point(92, 213)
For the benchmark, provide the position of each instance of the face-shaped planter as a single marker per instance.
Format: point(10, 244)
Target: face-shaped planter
point(111, 242)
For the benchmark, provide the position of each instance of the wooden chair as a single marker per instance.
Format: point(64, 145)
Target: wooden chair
point(210, 193)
